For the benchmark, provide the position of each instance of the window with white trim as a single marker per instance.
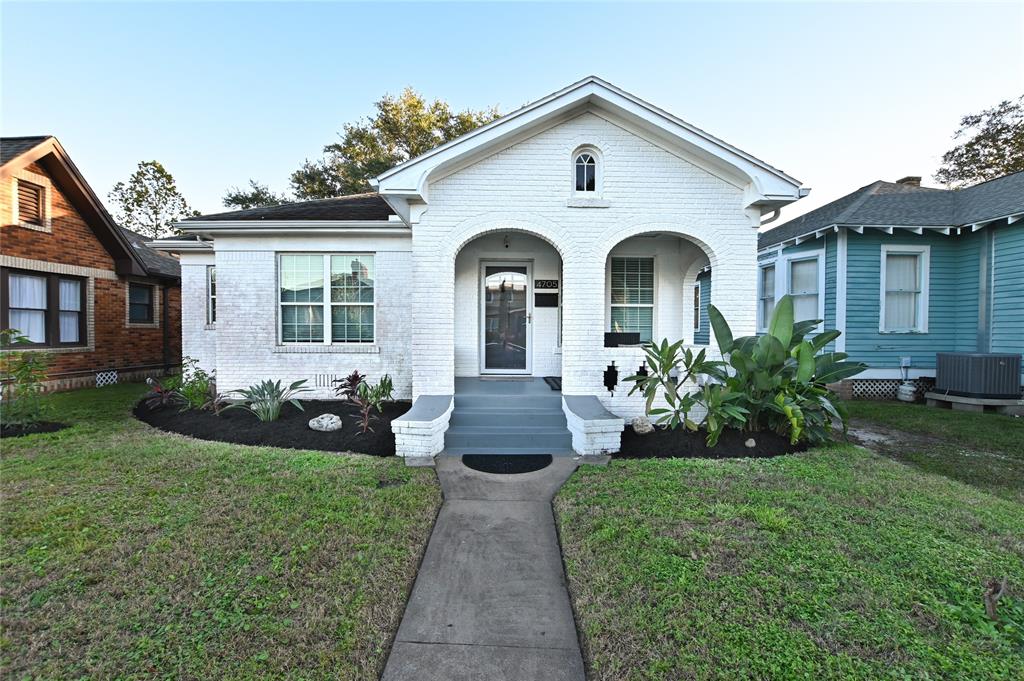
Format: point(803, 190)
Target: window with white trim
point(766, 295)
point(804, 288)
point(632, 296)
point(211, 294)
point(904, 277)
point(585, 168)
point(344, 313)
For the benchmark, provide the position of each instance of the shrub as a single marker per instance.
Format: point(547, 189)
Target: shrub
point(22, 402)
point(266, 399)
point(772, 382)
point(781, 377)
point(194, 384)
point(163, 395)
point(370, 398)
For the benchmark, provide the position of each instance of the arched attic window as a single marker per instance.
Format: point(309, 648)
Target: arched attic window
point(585, 169)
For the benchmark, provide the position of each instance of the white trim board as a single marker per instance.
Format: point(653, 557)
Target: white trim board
point(924, 252)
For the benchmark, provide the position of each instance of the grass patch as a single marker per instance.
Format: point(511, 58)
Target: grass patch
point(127, 552)
point(985, 432)
point(982, 450)
point(834, 563)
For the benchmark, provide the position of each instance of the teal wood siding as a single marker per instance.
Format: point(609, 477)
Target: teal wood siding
point(829, 243)
point(968, 253)
point(703, 336)
point(948, 315)
point(1008, 289)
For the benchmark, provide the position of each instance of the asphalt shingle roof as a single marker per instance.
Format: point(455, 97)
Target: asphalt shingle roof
point(891, 204)
point(155, 261)
point(12, 147)
point(362, 207)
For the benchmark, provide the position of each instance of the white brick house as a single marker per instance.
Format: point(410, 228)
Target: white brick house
point(448, 270)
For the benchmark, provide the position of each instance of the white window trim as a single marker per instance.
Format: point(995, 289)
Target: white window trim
point(211, 297)
point(924, 253)
point(326, 303)
point(782, 283)
point(608, 293)
point(598, 174)
point(41, 181)
point(698, 288)
point(762, 323)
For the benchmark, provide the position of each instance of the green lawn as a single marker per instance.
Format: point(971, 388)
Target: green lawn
point(983, 450)
point(834, 563)
point(131, 553)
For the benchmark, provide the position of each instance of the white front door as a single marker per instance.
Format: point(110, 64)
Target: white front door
point(506, 317)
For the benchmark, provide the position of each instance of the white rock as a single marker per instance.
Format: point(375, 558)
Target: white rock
point(750, 443)
point(326, 423)
point(641, 425)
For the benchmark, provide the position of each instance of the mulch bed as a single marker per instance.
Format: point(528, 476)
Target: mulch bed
point(291, 431)
point(685, 444)
point(41, 427)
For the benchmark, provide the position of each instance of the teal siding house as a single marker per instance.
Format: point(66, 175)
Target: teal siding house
point(904, 272)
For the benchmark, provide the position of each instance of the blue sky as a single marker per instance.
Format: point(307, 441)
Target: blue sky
point(837, 95)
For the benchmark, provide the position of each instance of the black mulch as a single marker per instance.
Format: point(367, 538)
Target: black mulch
point(507, 465)
point(291, 431)
point(41, 427)
point(685, 444)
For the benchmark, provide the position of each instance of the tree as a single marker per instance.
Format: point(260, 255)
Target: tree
point(993, 146)
point(257, 195)
point(149, 201)
point(403, 127)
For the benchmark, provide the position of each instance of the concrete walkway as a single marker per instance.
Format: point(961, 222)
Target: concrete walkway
point(490, 600)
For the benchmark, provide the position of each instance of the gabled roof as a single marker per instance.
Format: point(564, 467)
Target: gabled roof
point(890, 204)
point(156, 262)
point(355, 207)
point(19, 152)
point(405, 186)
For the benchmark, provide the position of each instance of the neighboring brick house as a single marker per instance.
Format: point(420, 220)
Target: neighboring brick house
point(84, 290)
point(509, 252)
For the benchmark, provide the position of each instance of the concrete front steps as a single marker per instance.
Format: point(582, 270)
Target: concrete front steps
point(507, 417)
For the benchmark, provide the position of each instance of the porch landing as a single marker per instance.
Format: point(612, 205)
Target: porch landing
point(507, 416)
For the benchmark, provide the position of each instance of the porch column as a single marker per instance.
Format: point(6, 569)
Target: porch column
point(432, 298)
point(582, 322)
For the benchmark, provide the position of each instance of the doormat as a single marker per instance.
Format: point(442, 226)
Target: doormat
point(555, 382)
point(507, 465)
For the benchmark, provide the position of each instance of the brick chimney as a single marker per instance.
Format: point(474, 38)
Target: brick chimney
point(910, 180)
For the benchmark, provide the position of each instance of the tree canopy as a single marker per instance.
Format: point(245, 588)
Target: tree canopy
point(149, 202)
point(401, 128)
point(993, 146)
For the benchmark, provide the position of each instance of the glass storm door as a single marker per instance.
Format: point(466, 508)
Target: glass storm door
point(506, 317)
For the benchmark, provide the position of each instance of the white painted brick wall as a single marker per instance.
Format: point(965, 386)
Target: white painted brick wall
point(198, 339)
point(525, 188)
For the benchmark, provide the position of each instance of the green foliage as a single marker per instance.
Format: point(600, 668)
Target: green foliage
point(370, 398)
point(780, 378)
point(21, 376)
point(195, 385)
point(994, 146)
point(256, 196)
point(402, 128)
point(663, 361)
point(163, 394)
point(266, 399)
point(149, 202)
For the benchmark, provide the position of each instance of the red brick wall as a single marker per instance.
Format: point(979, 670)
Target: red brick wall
point(73, 242)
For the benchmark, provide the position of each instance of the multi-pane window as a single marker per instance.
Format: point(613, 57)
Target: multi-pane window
point(30, 202)
point(349, 305)
point(632, 296)
point(48, 309)
point(696, 307)
point(903, 291)
point(766, 295)
point(140, 303)
point(586, 172)
point(803, 288)
point(211, 294)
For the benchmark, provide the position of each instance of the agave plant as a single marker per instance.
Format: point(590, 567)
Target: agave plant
point(781, 376)
point(267, 398)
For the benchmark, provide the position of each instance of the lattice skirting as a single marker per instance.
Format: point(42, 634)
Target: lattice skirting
point(885, 388)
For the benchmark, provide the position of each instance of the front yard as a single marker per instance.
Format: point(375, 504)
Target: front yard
point(833, 563)
point(127, 552)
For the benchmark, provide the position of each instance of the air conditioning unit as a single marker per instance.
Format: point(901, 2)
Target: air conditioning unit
point(978, 374)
